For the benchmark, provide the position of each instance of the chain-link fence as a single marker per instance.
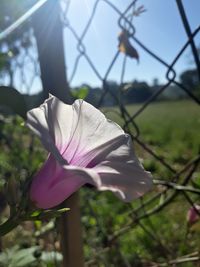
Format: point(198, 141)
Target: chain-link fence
point(153, 230)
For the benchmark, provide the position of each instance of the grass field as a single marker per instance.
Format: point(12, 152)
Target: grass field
point(171, 129)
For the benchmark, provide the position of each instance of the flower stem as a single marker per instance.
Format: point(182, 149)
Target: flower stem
point(8, 226)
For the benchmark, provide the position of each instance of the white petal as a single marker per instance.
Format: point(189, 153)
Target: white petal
point(37, 121)
point(121, 173)
point(79, 131)
point(92, 134)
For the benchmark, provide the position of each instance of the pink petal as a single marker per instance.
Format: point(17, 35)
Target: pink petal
point(54, 183)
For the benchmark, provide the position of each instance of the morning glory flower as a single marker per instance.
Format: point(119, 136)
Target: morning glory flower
point(84, 148)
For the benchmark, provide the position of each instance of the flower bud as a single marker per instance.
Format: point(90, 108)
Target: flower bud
point(192, 214)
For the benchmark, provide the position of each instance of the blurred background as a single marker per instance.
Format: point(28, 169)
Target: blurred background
point(139, 62)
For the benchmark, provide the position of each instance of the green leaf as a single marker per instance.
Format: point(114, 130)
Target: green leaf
point(38, 224)
point(44, 229)
point(44, 214)
point(49, 257)
point(14, 100)
point(80, 93)
point(18, 258)
point(23, 257)
point(36, 213)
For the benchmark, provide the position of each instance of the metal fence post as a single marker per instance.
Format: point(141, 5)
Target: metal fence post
point(49, 37)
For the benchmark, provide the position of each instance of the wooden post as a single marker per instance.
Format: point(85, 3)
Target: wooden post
point(48, 31)
point(71, 244)
point(49, 37)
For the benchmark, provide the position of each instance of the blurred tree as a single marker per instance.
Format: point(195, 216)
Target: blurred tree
point(10, 11)
point(138, 92)
point(155, 82)
point(113, 89)
point(94, 95)
point(189, 78)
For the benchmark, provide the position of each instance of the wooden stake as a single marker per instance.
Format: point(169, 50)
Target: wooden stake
point(48, 31)
point(71, 241)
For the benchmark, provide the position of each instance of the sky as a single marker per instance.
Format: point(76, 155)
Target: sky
point(159, 28)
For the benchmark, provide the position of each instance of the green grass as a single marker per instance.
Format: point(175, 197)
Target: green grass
point(170, 129)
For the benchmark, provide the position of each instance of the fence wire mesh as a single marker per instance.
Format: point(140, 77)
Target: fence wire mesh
point(178, 178)
point(114, 233)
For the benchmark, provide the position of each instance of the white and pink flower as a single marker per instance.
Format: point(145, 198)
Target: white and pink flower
point(84, 148)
